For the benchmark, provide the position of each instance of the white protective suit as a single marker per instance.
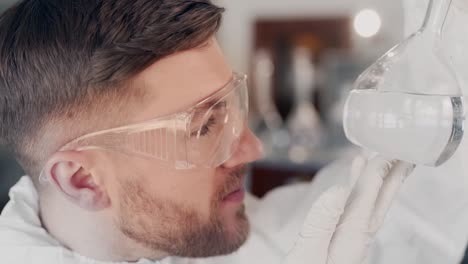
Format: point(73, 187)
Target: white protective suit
point(428, 222)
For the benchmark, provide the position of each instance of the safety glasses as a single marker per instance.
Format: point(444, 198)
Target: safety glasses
point(204, 136)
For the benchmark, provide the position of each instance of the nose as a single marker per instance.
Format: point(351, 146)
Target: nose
point(249, 150)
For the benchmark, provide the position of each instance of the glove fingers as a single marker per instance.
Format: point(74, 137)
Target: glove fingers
point(391, 185)
point(357, 169)
point(318, 228)
point(325, 212)
point(374, 190)
point(366, 191)
point(349, 247)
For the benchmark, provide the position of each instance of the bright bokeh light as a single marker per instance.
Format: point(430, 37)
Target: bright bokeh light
point(367, 23)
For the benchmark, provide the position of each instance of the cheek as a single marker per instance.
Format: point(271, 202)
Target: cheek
point(193, 189)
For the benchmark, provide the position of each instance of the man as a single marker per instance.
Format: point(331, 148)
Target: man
point(132, 129)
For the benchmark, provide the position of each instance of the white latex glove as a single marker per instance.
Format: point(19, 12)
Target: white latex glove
point(344, 220)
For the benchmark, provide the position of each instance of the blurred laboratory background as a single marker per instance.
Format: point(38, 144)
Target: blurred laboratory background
point(302, 57)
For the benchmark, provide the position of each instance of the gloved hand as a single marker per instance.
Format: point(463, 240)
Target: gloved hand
point(343, 221)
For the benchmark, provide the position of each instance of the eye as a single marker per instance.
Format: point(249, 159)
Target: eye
point(206, 128)
point(217, 111)
point(221, 105)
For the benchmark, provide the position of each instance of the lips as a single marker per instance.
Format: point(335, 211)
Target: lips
point(234, 190)
point(235, 196)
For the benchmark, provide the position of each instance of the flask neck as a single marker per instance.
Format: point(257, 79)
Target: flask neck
point(436, 15)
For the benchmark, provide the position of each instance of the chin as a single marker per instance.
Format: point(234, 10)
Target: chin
point(238, 226)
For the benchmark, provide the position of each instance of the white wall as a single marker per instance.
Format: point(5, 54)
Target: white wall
point(236, 33)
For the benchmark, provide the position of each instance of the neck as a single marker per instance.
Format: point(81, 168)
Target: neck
point(90, 234)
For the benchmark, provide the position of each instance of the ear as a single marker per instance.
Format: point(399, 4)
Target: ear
point(71, 173)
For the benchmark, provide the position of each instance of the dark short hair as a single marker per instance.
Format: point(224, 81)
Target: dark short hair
point(59, 57)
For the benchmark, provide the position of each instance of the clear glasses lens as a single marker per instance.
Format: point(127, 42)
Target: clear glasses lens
point(215, 135)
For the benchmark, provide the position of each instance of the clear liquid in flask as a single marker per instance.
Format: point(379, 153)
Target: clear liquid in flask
point(428, 128)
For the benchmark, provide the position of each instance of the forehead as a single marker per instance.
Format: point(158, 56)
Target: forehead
point(181, 80)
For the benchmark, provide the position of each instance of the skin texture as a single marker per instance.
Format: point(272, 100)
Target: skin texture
point(113, 206)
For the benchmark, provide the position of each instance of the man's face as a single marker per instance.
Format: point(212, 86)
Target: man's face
point(190, 213)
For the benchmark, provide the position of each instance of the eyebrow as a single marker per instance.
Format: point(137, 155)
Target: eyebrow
point(206, 105)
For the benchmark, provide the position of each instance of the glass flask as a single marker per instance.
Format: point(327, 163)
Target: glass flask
point(304, 122)
point(408, 105)
point(270, 127)
point(263, 78)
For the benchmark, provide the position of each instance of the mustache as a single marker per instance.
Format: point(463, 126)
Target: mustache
point(233, 181)
point(238, 172)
